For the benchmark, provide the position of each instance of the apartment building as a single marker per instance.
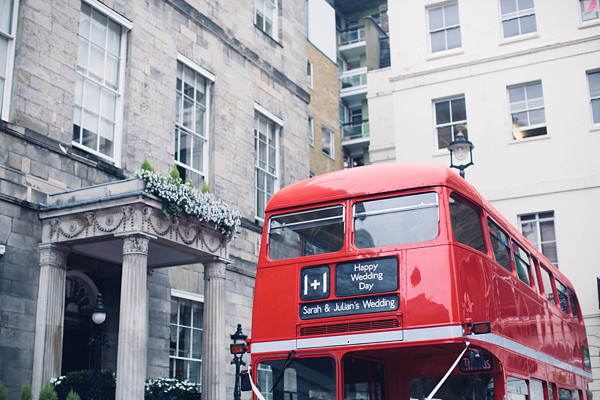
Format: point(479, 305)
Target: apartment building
point(520, 79)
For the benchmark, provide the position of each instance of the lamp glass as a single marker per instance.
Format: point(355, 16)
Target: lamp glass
point(461, 152)
point(98, 317)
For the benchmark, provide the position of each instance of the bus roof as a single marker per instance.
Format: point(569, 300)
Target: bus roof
point(368, 180)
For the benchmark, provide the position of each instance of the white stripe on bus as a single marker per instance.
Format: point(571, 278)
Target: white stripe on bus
point(413, 335)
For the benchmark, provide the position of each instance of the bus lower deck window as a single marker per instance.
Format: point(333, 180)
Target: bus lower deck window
point(472, 387)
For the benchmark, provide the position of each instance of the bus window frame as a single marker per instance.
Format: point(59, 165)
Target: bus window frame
point(509, 238)
point(457, 196)
point(310, 208)
point(337, 364)
point(552, 287)
point(437, 190)
point(514, 255)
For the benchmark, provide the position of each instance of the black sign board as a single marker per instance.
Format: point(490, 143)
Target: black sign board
point(363, 305)
point(314, 283)
point(465, 365)
point(375, 275)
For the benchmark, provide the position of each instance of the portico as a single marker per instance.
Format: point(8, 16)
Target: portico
point(121, 224)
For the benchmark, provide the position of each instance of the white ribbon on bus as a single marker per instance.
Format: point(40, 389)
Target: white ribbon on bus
point(254, 388)
point(435, 389)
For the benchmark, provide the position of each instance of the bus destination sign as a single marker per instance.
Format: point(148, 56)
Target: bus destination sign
point(335, 308)
point(375, 275)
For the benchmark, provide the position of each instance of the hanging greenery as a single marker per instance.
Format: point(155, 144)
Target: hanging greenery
point(183, 197)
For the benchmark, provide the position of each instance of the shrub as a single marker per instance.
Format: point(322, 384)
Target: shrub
point(170, 389)
point(48, 393)
point(81, 383)
point(73, 396)
point(146, 166)
point(3, 392)
point(26, 392)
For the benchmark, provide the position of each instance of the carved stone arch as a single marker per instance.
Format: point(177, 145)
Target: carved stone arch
point(80, 289)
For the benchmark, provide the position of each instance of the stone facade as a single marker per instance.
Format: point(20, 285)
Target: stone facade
point(38, 158)
point(323, 107)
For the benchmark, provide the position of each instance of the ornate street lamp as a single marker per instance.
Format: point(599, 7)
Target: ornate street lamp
point(460, 149)
point(238, 349)
point(99, 313)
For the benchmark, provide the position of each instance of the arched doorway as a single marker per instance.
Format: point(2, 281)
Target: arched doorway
point(80, 295)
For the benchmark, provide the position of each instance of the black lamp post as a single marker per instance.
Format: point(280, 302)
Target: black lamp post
point(238, 349)
point(99, 313)
point(460, 149)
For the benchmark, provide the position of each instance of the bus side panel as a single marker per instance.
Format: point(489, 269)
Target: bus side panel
point(475, 286)
point(275, 303)
point(430, 288)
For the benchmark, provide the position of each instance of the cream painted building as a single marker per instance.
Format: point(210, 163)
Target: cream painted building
point(521, 80)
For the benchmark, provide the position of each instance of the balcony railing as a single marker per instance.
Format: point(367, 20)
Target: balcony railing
point(353, 78)
point(355, 130)
point(352, 36)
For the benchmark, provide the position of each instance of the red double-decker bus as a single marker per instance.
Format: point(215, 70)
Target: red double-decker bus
point(399, 281)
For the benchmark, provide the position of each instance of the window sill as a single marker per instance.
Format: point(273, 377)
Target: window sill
point(595, 128)
point(269, 36)
point(531, 139)
point(445, 53)
point(519, 38)
point(587, 24)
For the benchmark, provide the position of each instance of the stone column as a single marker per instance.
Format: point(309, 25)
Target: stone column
point(47, 350)
point(133, 320)
point(214, 346)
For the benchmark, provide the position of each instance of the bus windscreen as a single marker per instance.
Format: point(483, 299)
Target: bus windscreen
point(306, 233)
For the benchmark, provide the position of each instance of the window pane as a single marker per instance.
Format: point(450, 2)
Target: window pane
point(534, 91)
point(472, 387)
point(185, 148)
point(547, 231)
point(198, 156)
point(511, 28)
point(499, 244)
point(547, 285)
point(453, 36)
point(113, 43)
point(537, 117)
point(197, 343)
point(508, 6)
point(525, 4)
point(466, 225)
point(436, 18)
point(459, 112)
point(451, 14)
point(397, 220)
point(444, 137)
point(99, 22)
point(596, 111)
point(442, 112)
point(306, 233)
point(528, 24)
point(438, 41)
point(6, 16)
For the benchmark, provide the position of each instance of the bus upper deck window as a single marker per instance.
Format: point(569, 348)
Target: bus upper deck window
point(500, 244)
point(547, 285)
point(466, 225)
point(522, 263)
point(396, 220)
point(562, 296)
point(306, 233)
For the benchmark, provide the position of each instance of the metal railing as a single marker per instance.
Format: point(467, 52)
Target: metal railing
point(353, 78)
point(355, 130)
point(352, 36)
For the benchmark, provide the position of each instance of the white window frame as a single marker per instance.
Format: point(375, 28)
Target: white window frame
point(527, 109)
point(326, 129)
point(10, 60)
point(274, 16)
point(593, 98)
point(278, 122)
point(309, 74)
point(126, 26)
point(593, 19)
point(452, 123)
point(537, 220)
point(444, 28)
point(195, 298)
point(210, 79)
point(311, 131)
point(517, 15)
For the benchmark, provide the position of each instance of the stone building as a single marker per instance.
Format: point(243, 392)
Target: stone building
point(521, 80)
point(90, 89)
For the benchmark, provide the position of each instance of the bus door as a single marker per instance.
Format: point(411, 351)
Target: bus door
point(363, 379)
